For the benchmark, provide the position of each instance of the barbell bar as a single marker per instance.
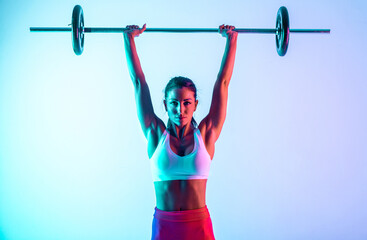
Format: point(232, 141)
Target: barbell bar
point(78, 30)
point(175, 30)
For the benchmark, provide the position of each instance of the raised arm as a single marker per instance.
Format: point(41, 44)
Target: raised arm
point(214, 121)
point(147, 118)
point(133, 62)
point(226, 69)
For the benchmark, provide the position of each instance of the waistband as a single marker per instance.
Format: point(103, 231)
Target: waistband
point(182, 216)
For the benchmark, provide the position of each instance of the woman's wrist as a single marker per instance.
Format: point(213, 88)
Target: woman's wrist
point(128, 36)
point(232, 37)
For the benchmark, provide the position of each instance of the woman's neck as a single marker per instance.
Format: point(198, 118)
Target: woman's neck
point(181, 132)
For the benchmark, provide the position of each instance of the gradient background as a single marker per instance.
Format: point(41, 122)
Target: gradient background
point(291, 162)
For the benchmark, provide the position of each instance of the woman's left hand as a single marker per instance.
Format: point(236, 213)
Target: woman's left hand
point(227, 31)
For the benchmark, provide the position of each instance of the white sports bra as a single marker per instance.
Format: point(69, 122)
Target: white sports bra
point(167, 165)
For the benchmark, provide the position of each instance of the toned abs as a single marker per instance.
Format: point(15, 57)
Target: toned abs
point(180, 195)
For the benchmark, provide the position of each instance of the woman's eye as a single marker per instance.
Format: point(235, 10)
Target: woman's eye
point(187, 103)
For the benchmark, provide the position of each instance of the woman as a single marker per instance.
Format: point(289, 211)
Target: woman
point(181, 153)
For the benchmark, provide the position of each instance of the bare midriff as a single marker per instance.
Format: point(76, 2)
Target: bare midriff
point(180, 195)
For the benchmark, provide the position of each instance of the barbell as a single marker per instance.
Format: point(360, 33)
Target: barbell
point(281, 31)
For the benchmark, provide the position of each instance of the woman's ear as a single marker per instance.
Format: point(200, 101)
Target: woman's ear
point(165, 105)
point(196, 104)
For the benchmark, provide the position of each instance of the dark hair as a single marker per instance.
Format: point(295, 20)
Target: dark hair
point(180, 82)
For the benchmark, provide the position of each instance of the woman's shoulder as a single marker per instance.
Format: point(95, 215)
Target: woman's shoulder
point(203, 126)
point(156, 132)
point(158, 129)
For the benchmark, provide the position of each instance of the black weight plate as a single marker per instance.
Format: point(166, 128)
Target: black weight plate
point(282, 35)
point(77, 22)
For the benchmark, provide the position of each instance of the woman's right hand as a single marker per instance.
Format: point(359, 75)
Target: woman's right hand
point(134, 30)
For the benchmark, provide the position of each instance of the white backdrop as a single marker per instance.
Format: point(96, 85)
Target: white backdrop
point(291, 162)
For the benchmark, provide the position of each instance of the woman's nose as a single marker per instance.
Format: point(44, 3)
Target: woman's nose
point(181, 108)
point(177, 109)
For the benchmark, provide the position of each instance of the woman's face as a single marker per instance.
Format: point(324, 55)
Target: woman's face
point(180, 105)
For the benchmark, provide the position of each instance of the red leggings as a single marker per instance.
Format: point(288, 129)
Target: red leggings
point(182, 225)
